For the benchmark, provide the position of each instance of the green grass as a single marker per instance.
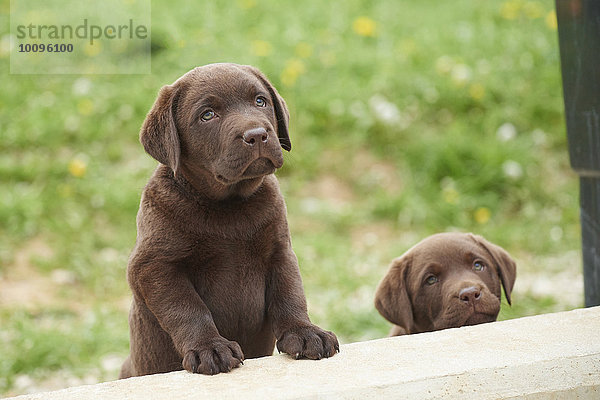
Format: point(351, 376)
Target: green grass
point(360, 188)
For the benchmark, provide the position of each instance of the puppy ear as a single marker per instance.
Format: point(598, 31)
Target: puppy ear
point(159, 133)
point(391, 298)
point(281, 111)
point(505, 265)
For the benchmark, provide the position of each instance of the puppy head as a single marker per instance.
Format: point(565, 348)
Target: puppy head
point(224, 122)
point(392, 298)
point(447, 280)
point(506, 267)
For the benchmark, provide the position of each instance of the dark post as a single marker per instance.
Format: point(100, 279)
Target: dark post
point(579, 38)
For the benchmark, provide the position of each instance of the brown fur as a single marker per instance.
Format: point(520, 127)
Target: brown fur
point(459, 295)
point(213, 274)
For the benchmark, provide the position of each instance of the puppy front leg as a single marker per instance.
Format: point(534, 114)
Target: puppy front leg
point(295, 334)
point(180, 311)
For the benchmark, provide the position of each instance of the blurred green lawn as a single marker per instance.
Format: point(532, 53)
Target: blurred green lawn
point(408, 118)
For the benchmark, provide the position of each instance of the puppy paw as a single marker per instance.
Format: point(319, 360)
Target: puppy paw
point(212, 357)
point(308, 341)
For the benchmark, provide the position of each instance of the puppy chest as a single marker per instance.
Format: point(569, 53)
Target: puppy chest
point(238, 309)
point(233, 287)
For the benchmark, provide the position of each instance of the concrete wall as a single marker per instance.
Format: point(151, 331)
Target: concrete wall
point(552, 356)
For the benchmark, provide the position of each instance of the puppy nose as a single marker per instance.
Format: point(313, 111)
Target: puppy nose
point(470, 295)
point(255, 135)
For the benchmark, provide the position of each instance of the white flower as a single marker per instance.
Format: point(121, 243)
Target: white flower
point(71, 123)
point(384, 110)
point(506, 132)
point(82, 86)
point(464, 32)
point(556, 233)
point(461, 74)
point(310, 205)
point(539, 137)
point(512, 169)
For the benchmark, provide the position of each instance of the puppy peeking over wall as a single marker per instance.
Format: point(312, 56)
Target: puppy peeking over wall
point(213, 274)
point(447, 280)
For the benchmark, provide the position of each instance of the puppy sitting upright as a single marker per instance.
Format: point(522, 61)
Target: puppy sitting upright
point(213, 274)
point(446, 281)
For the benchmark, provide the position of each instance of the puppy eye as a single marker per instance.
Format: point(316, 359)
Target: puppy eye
point(431, 279)
point(478, 266)
point(208, 115)
point(261, 101)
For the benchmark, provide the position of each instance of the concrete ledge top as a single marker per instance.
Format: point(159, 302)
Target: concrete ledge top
point(546, 356)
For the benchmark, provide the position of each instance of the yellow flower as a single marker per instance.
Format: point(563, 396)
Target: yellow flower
point(482, 215)
point(510, 9)
point(533, 10)
point(551, 21)
point(77, 167)
point(85, 107)
point(261, 48)
point(293, 69)
point(477, 91)
point(303, 50)
point(450, 195)
point(247, 4)
point(92, 50)
point(365, 26)
point(443, 65)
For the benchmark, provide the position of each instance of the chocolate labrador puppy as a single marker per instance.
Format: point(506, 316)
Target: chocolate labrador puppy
point(446, 281)
point(213, 274)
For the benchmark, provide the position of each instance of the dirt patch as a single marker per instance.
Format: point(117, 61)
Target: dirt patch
point(21, 284)
point(365, 168)
point(377, 238)
point(25, 384)
point(330, 189)
point(565, 287)
point(379, 172)
point(556, 276)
